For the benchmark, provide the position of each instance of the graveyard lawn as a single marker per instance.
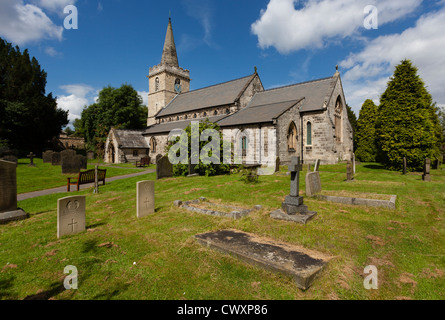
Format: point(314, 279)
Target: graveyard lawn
point(156, 257)
point(45, 176)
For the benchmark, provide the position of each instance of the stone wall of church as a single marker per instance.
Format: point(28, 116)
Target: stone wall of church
point(283, 124)
point(254, 87)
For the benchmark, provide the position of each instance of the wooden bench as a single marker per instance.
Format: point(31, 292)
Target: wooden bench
point(87, 177)
point(143, 162)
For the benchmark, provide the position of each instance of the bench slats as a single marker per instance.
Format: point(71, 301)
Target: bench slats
point(87, 177)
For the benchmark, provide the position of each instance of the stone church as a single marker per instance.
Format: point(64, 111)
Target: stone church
point(307, 119)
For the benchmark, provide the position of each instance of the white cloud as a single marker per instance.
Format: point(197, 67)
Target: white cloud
point(55, 6)
point(423, 44)
point(144, 96)
point(318, 22)
point(51, 51)
point(22, 23)
point(79, 96)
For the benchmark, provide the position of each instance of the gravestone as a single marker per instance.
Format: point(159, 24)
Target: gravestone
point(164, 169)
point(70, 165)
point(313, 183)
point(83, 163)
point(353, 163)
point(293, 209)
point(349, 171)
point(426, 170)
point(47, 156)
point(277, 164)
point(70, 215)
point(404, 165)
point(317, 165)
point(8, 193)
point(31, 159)
point(55, 159)
point(90, 155)
point(145, 198)
point(191, 168)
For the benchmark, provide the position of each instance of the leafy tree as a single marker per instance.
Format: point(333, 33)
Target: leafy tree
point(353, 121)
point(365, 134)
point(116, 107)
point(207, 169)
point(28, 117)
point(407, 124)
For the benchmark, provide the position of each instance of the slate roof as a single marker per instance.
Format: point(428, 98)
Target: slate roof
point(131, 139)
point(258, 113)
point(218, 95)
point(315, 92)
point(170, 126)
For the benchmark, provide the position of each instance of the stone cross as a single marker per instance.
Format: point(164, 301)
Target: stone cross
point(294, 168)
point(31, 157)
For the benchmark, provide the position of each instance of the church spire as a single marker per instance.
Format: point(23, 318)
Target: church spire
point(169, 56)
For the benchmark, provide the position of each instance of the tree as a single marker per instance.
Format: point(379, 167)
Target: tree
point(365, 135)
point(116, 107)
point(28, 117)
point(353, 121)
point(407, 124)
point(207, 169)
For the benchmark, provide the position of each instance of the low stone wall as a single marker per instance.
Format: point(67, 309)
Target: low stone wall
point(389, 204)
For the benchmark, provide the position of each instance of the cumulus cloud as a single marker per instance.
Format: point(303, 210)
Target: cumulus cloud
point(144, 96)
point(78, 96)
point(55, 6)
point(22, 23)
point(423, 44)
point(316, 23)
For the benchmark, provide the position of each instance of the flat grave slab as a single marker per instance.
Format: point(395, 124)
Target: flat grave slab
point(301, 264)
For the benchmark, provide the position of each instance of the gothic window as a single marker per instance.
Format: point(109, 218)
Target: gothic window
point(215, 113)
point(309, 134)
point(177, 118)
point(205, 114)
point(185, 117)
point(153, 145)
point(135, 153)
point(338, 119)
point(227, 111)
point(194, 116)
point(157, 84)
point(292, 138)
point(244, 146)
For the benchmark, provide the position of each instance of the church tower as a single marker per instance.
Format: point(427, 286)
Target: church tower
point(167, 79)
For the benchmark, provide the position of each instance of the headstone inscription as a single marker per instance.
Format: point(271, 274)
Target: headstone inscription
point(164, 169)
point(8, 193)
point(426, 170)
point(145, 198)
point(70, 215)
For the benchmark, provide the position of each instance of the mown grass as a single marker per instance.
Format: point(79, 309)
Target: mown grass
point(121, 257)
point(45, 176)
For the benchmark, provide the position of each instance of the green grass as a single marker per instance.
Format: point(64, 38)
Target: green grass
point(45, 176)
point(157, 257)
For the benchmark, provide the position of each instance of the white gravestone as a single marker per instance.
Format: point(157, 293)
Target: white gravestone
point(70, 215)
point(145, 198)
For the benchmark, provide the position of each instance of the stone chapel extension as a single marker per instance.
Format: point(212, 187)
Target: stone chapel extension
point(307, 119)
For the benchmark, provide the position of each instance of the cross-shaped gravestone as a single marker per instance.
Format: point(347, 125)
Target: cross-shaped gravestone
point(294, 169)
point(31, 157)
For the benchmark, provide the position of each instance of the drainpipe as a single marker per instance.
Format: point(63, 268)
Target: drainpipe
point(302, 138)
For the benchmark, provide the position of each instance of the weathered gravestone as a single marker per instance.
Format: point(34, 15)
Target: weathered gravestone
point(55, 159)
point(317, 165)
point(164, 169)
point(277, 164)
point(31, 159)
point(426, 170)
point(145, 198)
point(293, 209)
point(70, 215)
point(47, 156)
point(70, 162)
point(83, 163)
point(313, 183)
point(404, 165)
point(8, 193)
point(349, 171)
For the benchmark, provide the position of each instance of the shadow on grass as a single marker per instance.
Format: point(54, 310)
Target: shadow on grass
point(374, 166)
point(56, 288)
point(5, 285)
point(108, 295)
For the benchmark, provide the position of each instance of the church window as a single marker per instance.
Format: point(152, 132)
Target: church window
point(157, 84)
point(135, 153)
point(309, 134)
point(244, 146)
point(215, 113)
point(194, 116)
point(292, 138)
point(153, 145)
point(177, 118)
point(185, 117)
point(338, 119)
point(205, 114)
point(178, 88)
point(227, 111)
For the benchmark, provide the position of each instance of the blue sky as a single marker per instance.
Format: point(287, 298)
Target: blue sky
point(288, 41)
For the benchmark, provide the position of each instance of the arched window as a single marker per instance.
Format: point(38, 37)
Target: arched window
point(194, 116)
point(244, 146)
point(177, 118)
point(309, 134)
point(215, 113)
point(227, 111)
point(178, 88)
point(338, 119)
point(185, 117)
point(292, 138)
point(157, 84)
point(153, 145)
point(205, 114)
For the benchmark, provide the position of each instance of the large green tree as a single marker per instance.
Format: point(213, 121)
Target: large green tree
point(116, 107)
point(407, 124)
point(365, 134)
point(353, 121)
point(28, 116)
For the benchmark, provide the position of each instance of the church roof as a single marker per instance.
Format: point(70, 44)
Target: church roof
point(218, 95)
point(258, 113)
point(174, 125)
point(316, 94)
point(131, 139)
